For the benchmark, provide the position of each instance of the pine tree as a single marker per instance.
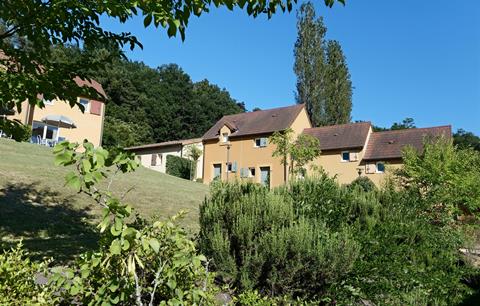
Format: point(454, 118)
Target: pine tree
point(338, 86)
point(310, 62)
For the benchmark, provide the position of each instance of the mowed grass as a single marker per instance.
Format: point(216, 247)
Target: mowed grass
point(55, 221)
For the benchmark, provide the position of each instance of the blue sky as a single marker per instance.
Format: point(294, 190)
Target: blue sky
point(408, 58)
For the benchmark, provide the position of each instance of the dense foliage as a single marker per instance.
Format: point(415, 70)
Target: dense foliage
point(464, 139)
point(159, 104)
point(179, 166)
point(378, 245)
point(323, 78)
point(363, 182)
point(19, 280)
point(257, 240)
point(446, 177)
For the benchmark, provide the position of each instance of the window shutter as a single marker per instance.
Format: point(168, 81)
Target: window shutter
point(154, 160)
point(370, 168)
point(234, 166)
point(95, 107)
point(353, 156)
point(243, 172)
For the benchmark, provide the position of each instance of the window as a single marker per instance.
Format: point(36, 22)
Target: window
point(225, 137)
point(232, 167)
point(261, 142)
point(345, 156)
point(217, 171)
point(251, 172)
point(380, 167)
point(85, 104)
point(154, 160)
point(47, 102)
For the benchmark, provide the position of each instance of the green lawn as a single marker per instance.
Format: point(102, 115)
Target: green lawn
point(54, 221)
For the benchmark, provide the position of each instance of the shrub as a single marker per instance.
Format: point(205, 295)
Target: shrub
point(446, 178)
point(178, 166)
point(138, 262)
point(17, 280)
point(258, 241)
point(362, 182)
point(316, 239)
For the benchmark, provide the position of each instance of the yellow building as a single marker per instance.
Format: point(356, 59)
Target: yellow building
point(237, 147)
point(58, 121)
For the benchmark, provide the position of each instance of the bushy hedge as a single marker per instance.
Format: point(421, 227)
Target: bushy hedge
point(362, 182)
point(316, 239)
point(178, 166)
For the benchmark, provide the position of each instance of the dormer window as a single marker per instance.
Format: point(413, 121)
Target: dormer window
point(85, 103)
point(224, 137)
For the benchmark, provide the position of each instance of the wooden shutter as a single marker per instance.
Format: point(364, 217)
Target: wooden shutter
point(154, 160)
point(95, 107)
point(263, 142)
point(234, 166)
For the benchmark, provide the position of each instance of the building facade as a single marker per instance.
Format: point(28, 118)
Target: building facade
point(154, 156)
point(74, 125)
point(237, 147)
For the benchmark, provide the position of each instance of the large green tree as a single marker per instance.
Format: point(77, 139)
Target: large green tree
point(323, 79)
point(338, 86)
point(29, 68)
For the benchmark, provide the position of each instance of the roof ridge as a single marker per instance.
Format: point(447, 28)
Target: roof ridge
point(265, 110)
point(339, 125)
point(413, 129)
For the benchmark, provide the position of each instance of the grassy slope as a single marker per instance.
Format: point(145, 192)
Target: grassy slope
point(55, 221)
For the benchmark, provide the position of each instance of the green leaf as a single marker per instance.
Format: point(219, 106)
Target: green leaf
point(63, 158)
point(147, 20)
point(154, 244)
point(115, 247)
point(73, 181)
point(86, 165)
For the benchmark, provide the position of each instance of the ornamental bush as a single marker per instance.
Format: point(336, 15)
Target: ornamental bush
point(257, 240)
point(179, 166)
point(363, 182)
point(315, 239)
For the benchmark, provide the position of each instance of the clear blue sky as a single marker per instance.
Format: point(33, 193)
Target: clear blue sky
point(408, 58)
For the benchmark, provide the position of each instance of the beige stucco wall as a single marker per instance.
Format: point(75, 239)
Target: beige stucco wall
point(246, 155)
point(145, 157)
point(89, 126)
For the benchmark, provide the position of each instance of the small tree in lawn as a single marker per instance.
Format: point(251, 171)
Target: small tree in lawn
point(194, 152)
point(296, 153)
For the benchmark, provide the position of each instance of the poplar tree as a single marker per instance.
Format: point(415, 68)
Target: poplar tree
point(323, 79)
point(310, 62)
point(338, 86)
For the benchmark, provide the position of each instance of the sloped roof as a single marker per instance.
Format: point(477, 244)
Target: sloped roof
point(182, 142)
point(342, 136)
point(258, 122)
point(389, 144)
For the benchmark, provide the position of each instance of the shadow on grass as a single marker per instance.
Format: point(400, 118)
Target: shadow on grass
point(47, 221)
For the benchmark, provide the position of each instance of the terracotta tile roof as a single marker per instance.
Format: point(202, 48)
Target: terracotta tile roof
point(166, 144)
point(342, 136)
point(389, 144)
point(258, 122)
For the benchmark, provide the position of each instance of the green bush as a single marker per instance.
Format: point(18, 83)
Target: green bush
point(17, 280)
point(179, 166)
point(446, 178)
point(362, 182)
point(316, 239)
point(258, 241)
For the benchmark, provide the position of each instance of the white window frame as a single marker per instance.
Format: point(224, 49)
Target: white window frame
point(250, 172)
point(345, 160)
point(260, 142)
point(87, 107)
point(225, 137)
point(376, 167)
